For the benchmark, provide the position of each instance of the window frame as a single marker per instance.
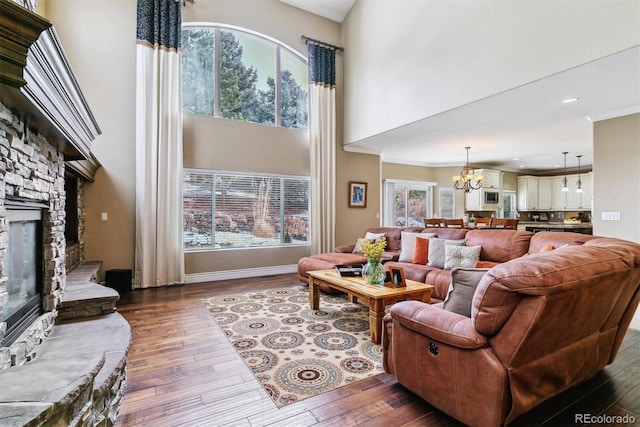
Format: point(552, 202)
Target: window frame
point(217, 28)
point(391, 185)
point(282, 234)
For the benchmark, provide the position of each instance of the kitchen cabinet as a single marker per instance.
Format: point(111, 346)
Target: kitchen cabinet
point(558, 198)
point(527, 193)
point(491, 178)
point(545, 192)
point(473, 200)
point(570, 200)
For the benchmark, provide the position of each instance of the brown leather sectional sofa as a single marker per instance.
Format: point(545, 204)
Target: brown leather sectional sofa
point(541, 322)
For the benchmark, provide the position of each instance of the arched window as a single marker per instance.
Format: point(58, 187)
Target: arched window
point(237, 74)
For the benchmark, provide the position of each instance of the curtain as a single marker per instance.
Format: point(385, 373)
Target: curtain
point(159, 257)
point(322, 126)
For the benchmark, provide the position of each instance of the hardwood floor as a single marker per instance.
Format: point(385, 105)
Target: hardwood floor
point(182, 371)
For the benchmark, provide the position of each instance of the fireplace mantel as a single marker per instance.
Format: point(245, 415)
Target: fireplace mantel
point(37, 82)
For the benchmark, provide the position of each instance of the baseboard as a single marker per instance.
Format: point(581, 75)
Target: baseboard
point(240, 274)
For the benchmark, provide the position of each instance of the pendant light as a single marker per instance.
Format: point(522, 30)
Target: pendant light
point(565, 188)
point(579, 189)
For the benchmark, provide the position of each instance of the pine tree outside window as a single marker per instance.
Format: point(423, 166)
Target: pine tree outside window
point(231, 74)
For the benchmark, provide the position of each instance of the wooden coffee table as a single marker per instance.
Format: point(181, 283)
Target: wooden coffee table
point(377, 297)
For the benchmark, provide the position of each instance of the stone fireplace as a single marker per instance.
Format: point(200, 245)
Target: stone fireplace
point(33, 175)
point(63, 347)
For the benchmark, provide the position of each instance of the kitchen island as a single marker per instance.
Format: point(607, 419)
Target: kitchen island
point(536, 226)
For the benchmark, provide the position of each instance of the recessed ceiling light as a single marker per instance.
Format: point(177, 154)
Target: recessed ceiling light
point(521, 166)
point(570, 100)
point(516, 158)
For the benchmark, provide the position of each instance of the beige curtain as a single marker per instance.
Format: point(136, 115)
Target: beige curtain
point(159, 258)
point(322, 125)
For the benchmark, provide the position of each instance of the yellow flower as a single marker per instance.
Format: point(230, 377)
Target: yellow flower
point(373, 249)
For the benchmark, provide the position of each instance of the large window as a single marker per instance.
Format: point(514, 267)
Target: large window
point(243, 76)
point(407, 203)
point(237, 210)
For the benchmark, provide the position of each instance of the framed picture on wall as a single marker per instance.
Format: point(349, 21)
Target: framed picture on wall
point(357, 194)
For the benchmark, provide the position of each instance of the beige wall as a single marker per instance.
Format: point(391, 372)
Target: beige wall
point(99, 38)
point(616, 178)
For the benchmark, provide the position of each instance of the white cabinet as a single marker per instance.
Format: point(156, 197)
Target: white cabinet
point(579, 201)
point(570, 200)
point(545, 192)
point(491, 178)
point(473, 200)
point(527, 193)
point(586, 200)
point(558, 198)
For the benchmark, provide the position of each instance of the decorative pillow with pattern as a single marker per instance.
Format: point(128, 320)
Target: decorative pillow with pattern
point(461, 256)
point(437, 250)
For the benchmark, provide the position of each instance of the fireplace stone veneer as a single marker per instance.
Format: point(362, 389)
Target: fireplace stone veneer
point(32, 169)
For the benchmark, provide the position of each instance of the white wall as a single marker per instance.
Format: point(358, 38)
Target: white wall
point(406, 60)
point(616, 179)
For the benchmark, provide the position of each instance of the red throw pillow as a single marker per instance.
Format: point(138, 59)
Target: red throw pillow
point(421, 252)
point(486, 264)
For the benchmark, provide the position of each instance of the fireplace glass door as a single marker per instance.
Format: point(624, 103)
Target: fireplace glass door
point(23, 267)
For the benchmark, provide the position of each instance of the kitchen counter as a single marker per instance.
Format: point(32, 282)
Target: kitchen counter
point(535, 226)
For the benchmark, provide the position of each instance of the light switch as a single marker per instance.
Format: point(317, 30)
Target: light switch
point(103, 216)
point(610, 216)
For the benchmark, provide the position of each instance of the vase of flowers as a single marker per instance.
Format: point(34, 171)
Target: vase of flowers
point(373, 271)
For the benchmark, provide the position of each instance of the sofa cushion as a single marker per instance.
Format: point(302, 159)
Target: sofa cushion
point(368, 236)
point(408, 244)
point(437, 251)
point(461, 256)
point(463, 285)
point(421, 253)
point(500, 245)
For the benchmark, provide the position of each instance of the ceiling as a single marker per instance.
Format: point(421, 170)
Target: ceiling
point(525, 129)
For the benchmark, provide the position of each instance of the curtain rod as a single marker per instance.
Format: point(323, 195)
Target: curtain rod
point(321, 43)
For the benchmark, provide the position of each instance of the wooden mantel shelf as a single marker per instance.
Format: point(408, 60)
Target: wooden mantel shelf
point(38, 85)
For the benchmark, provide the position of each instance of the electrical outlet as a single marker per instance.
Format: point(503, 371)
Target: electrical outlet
point(610, 216)
point(103, 216)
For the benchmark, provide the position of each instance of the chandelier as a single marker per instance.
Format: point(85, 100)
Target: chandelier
point(467, 180)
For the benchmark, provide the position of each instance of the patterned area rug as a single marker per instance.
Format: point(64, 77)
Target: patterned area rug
point(294, 351)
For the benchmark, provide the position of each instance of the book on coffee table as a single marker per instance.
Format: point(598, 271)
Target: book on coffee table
point(353, 270)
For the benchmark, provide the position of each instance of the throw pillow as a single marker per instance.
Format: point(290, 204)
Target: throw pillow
point(464, 282)
point(437, 251)
point(486, 264)
point(547, 248)
point(421, 254)
point(408, 245)
point(368, 236)
point(461, 256)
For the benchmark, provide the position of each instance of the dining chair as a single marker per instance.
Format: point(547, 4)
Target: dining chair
point(499, 223)
point(454, 223)
point(483, 222)
point(433, 222)
point(511, 224)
